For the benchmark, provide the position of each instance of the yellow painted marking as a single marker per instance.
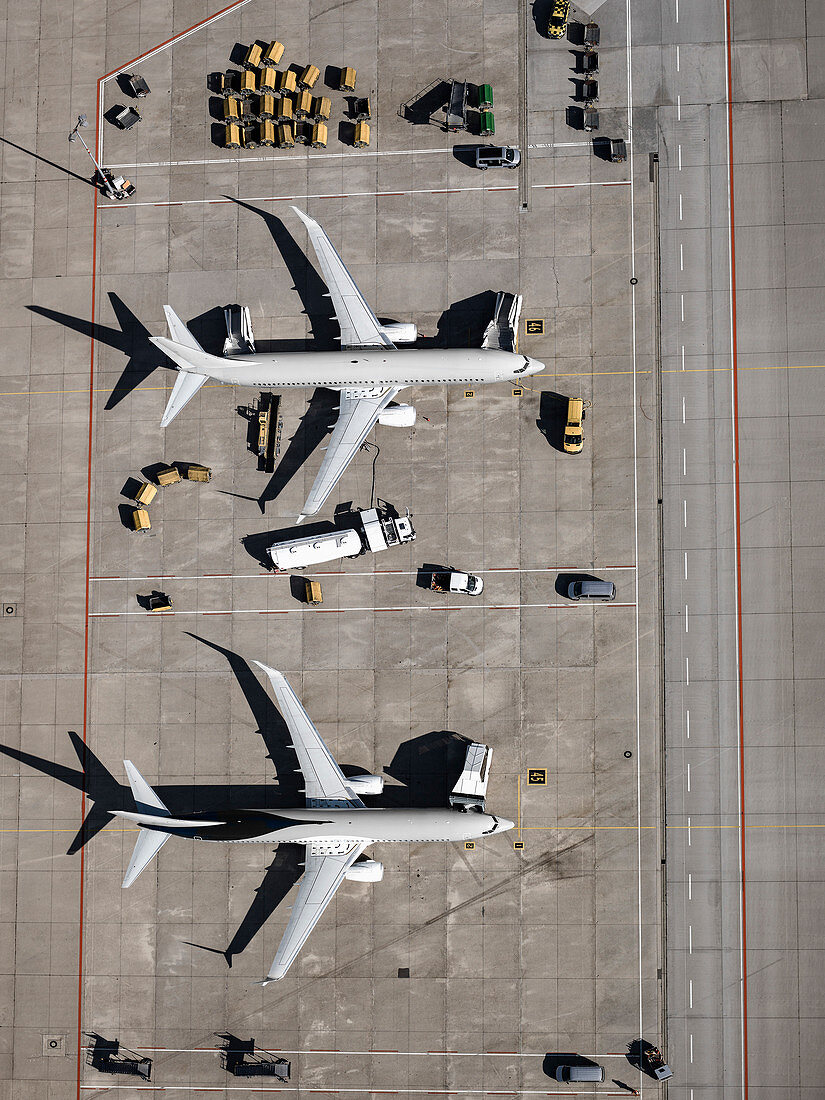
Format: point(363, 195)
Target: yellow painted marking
point(518, 391)
point(469, 393)
point(534, 326)
point(469, 845)
point(537, 777)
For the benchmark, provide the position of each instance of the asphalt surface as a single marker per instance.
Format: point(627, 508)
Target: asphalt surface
point(744, 859)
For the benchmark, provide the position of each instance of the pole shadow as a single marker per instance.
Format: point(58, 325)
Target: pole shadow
point(62, 168)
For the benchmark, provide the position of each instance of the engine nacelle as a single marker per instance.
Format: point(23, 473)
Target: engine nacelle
point(365, 870)
point(399, 416)
point(401, 332)
point(366, 784)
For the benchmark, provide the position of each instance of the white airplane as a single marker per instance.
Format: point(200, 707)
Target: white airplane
point(366, 372)
point(335, 826)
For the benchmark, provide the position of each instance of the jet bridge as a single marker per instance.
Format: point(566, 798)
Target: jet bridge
point(239, 339)
point(470, 792)
point(502, 332)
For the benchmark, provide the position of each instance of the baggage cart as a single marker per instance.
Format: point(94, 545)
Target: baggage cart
point(309, 77)
point(146, 493)
point(318, 137)
point(253, 56)
point(487, 124)
point(272, 55)
point(347, 81)
point(137, 85)
point(167, 475)
point(362, 135)
point(485, 97)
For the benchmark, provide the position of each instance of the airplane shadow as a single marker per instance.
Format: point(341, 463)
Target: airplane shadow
point(315, 424)
point(131, 338)
point(311, 289)
point(308, 284)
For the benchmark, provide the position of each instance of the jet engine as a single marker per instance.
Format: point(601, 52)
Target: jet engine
point(401, 332)
point(366, 784)
point(365, 870)
point(399, 416)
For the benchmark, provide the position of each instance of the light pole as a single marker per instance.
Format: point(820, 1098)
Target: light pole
point(102, 176)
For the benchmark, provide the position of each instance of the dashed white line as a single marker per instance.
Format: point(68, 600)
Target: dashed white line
point(679, 108)
point(681, 257)
point(687, 665)
point(683, 410)
point(684, 512)
point(680, 208)
point(677, 11)
point(683, 346)
point(690, 842)
point(690, 993)
point(690, 877)
point(680, 158)
point(691, 1047)
point(687, 627)
point(684, 462)
point(690, 939)
point(682, 305)
point(687, 724)
point(688, 778)
point(685, 564)
point(678, 59)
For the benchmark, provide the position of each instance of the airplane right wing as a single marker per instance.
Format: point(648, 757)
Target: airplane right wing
point(359, 326)
point(323, 874)
point(324, 781)
point(359, 410)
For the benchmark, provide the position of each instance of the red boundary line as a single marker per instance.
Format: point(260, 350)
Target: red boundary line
point(92, 350)
point(737, 522)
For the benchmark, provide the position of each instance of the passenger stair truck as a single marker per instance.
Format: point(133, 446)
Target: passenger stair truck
point(470, 792)
point(379, 530)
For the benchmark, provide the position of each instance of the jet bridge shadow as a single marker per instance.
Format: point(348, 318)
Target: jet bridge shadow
point(427, 768)
point(463, 324)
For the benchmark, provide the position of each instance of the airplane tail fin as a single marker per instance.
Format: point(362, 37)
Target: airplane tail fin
point(184, 350)
point(143, 793)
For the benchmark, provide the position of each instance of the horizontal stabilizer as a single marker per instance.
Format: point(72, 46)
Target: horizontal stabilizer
point(186, 386)
point(178, 330)
point(149, 843)
point(144, 795)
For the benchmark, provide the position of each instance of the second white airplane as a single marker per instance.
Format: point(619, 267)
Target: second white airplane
point(335, 826)
point(366, 371)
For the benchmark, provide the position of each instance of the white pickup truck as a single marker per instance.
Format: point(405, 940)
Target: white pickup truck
point(379, 531)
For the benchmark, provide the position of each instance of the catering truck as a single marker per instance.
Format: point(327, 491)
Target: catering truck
point(378, 529)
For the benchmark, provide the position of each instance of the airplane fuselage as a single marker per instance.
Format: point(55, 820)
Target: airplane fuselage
point(367, 368)
point(322, 825)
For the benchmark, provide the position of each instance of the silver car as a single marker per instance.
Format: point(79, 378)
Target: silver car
point(497, 156)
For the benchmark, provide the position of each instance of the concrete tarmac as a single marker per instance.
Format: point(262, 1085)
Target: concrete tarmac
point(464, 969)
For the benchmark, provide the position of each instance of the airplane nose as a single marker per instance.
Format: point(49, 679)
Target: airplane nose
point(504, 824)
point(536, 366)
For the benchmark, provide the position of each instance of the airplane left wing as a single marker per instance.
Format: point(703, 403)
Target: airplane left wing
point(358, 412)
point(325, 783)
point(323, 875)
point(360, 328)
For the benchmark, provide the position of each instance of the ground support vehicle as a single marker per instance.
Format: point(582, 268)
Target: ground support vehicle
point(380, 529)
point(453, 580)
